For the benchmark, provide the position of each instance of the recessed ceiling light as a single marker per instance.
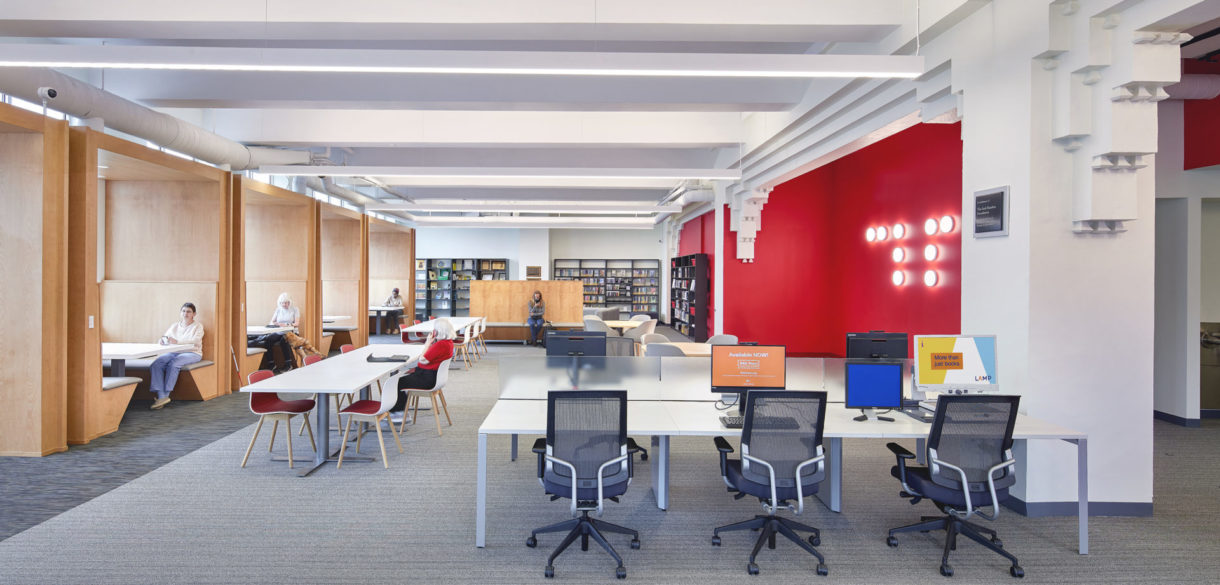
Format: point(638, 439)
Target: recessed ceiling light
point(898, 277)
point(930, 252)
point(900, 231)
point(870, 234)
point(946, 224)
point(899, 254)
point(930, 278)
point(882, 233)
point(930, 226)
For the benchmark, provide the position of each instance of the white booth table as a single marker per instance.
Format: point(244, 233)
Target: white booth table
point(381, 310)
point(342, 374)
point(256, 330)
point(335, 318)
point(119, 353)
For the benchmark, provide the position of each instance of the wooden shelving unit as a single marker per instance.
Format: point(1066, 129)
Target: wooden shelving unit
point(633, 285)
point(442, 285)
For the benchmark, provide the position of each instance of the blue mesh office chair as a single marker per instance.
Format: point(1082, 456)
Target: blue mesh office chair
point(586, 458)
point(781, 461)
point(970, 467)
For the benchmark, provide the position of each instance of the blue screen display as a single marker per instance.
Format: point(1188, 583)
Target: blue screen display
point(874, 385)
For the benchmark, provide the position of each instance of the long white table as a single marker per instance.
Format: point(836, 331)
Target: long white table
point(459, 323)
point(119, 353)
point(256, 330)
point(342, 374)
point(381, 310)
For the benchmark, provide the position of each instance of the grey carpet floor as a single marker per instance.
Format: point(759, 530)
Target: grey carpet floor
point(202, 519)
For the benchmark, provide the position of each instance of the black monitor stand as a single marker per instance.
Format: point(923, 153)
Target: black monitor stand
point(871, 414)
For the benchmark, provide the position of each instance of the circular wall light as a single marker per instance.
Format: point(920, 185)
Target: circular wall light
point(946, 224)
point(898, 277)
point(882, 233)
point(899, 255)
point(899, 231)
point(930, 252)
point(870, 234)
point(930, 226)
point(930, 278)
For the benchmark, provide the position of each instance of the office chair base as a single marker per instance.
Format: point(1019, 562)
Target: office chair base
point(769, 527)
point(954, 526)
point(584, 528)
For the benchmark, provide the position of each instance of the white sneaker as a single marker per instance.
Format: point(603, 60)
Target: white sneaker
point(160, 403)
point(396, 417)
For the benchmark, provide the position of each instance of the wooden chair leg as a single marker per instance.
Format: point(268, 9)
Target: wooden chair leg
point(312, 443)
point(252, 439)
point(288, 433)
point(301, 429)
point(436, 414)
point(441, 394)
point(415, 410)
point(385, 459)
point(395, 433)
point(275, 426)
point(343, 446)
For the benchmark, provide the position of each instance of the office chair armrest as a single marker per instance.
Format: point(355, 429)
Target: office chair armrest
point(600, 478)
point(995, 501)
point(770, 472)
point(540, 449)
point(572, 468)
point(900, 451)
point(961, 474)
point(800, 495)
point(902, 455)
point(725, 448)
point(632, 449)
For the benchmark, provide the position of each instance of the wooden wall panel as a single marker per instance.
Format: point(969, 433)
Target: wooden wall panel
point(54, 286)
point(340, 249)
point(391, 264)
point(505, 300)
point(163, 230)
point(277, 241)
point(261, 295)
point(84, 342)
point(140, 312)
point(342, 297)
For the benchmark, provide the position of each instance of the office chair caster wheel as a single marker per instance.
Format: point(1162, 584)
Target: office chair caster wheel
point(891, 542)
point(715, 541)
point(620, 572)
point(997, 542)
point(549, 572)
point(752, 568)
point(1016, 571)
point(815, 541)
point(946, 570)
point(822, 570)
point(635, 544)
point(531, 542)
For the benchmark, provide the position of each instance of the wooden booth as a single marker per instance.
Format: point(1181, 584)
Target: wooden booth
point(391, 265)
point(503, 304)
point(344, 254)
point(148, 232)
point(275, 251)
point(33, 281)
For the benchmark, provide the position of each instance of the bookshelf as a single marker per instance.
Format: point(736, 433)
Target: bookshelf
point(631, 285)
point(688, 295)
point(442, 285)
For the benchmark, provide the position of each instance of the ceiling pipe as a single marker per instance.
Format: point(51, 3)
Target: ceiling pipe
point(1195, 87)
point(328, 187)
point(82, 100)
point(688, 196)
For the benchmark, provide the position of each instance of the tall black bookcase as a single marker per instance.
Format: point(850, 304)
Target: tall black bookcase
point(442, 285)
point(688, 290)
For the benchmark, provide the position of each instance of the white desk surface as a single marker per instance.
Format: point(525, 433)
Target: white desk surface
point(135, 351)
point(692, 349)
point(333, 318)
point(263, 329)
point(459, 323)
point(623, 324)
point(341, 374)
point(528, 417)
point(384, 308)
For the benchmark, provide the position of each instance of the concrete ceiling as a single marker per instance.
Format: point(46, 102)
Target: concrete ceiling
point(465, 120)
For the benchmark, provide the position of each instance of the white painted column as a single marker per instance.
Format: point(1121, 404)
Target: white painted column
point(718, 266)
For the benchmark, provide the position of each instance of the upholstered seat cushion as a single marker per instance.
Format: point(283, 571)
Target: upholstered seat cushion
point(328, 334)
point(362, 407)
point(255, 350)
point(919, 479)
point(147, 363)
point(761, 490)
point(339, 328)
point(585, 493)
point(118, 382)
point(272, 404)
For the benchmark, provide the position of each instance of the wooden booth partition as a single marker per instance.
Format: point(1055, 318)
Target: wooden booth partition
point(345, 267)
point(276, 231)
point(503, 304)
point(391, 264)
point(148, 232)
point(33, 283)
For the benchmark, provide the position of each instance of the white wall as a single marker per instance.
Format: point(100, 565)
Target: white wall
point(431, 242)
point(610, 244)
point(537, 247)
point(1209, 297)
point(1176, 363)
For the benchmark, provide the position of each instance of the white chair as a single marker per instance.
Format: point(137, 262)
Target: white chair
point(653, 338)
point(592, 324)
point(663, 349)
point(638, 332)
point(480, 339)
point(373, 411)
point(722, 339)
point(640, 318)
point(462, 346)
point(437, 391)
point(269, 405)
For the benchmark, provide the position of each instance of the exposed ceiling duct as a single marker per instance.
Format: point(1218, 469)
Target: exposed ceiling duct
point(82, 100)
point(327, 185)
point(1195, 87)
point(686, 196)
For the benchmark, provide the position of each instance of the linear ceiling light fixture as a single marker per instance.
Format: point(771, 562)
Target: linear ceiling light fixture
point(460, 62)
point(625, 208)
point(504, 172)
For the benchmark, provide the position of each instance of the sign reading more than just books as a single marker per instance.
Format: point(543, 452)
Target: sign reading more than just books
point(991, 212)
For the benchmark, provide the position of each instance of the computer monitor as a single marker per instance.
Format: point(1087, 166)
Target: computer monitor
point(877, 344)
point(737, 369)
point(576, 343)
point(873, 384)
point(956, 364)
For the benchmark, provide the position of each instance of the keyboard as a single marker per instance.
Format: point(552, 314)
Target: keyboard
point(770, 422)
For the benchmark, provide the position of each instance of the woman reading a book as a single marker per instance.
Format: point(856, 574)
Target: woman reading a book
point(166, 367)
point(438, 348)
point(536, 307)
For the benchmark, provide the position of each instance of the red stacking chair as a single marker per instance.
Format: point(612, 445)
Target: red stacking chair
point(269, 405)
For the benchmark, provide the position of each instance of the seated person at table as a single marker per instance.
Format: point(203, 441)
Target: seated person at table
point(438, 348)
point(285, 315)
point(394, 300)
point(536, 307)
point(166, 367)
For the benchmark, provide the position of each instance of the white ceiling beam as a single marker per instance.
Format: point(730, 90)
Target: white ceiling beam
point(759, 65)
point(512, 221)
point(490, 183)
point(536, 206)
point(502, 173)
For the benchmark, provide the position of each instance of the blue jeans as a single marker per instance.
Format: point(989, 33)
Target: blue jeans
point(165, 371)
point(535, 324)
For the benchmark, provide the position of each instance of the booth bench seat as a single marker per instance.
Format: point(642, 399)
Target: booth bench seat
point(340, 334)
point(253, 359)
point(108, 410)
point(518, 330)
point(196, 381)
point(328, 338)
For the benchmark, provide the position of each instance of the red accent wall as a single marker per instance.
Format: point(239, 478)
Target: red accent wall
point(814, 277)
point(1201, 122)
point(698, 236)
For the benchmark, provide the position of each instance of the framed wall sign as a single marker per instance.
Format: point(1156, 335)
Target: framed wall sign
point(991, 212)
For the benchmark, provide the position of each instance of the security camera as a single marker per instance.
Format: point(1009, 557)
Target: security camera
point(47, 93)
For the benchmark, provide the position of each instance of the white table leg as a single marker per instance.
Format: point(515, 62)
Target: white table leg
point(1082, 493)
point(480, 514)
point(659, 458)
point(834, 476)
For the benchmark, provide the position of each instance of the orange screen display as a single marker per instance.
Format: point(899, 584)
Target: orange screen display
point(747, 366)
